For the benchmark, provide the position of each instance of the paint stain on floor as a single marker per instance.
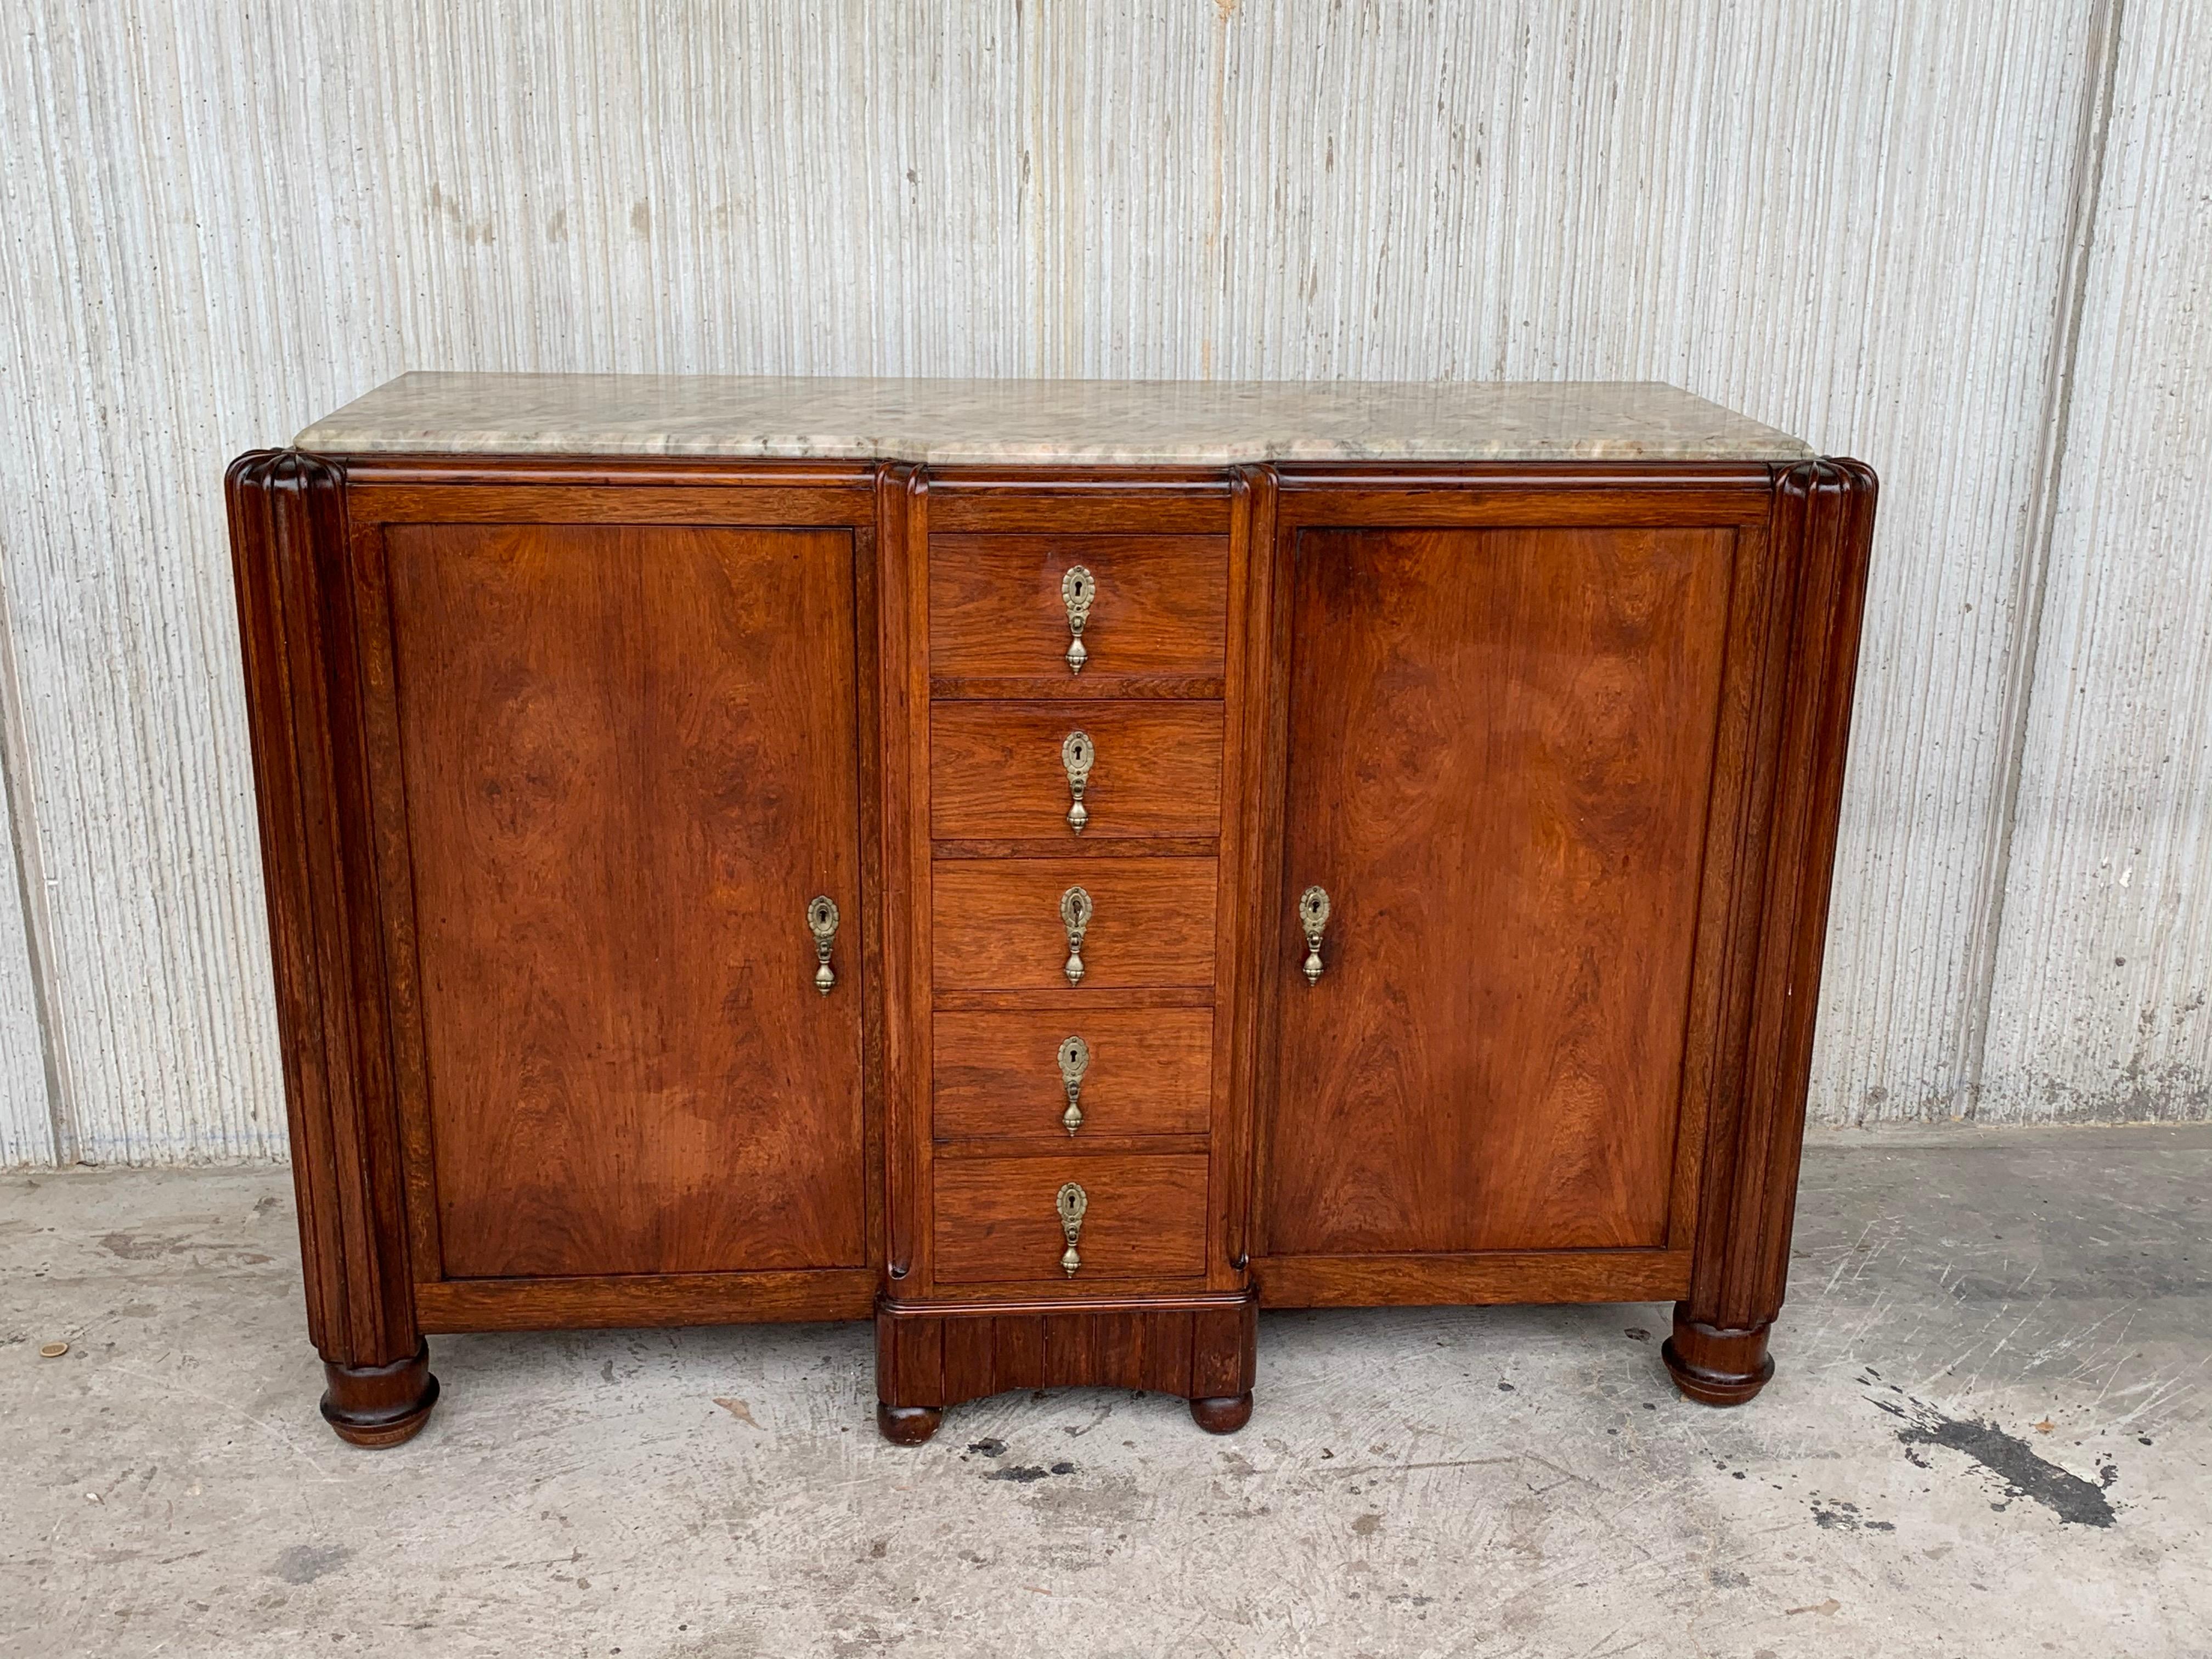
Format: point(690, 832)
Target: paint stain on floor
point(2023, 1471)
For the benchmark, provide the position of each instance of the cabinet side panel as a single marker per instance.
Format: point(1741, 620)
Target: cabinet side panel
point(288, 523)
point(1822, 527)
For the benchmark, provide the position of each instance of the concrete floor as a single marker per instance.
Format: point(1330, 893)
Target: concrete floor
point(1990, 1434)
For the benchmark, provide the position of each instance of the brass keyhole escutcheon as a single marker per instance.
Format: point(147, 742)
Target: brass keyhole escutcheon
point(1070, 1203)
point(1074, 1062)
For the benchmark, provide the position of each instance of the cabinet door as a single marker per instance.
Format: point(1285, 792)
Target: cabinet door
point(1500, 747)
point(630, 760)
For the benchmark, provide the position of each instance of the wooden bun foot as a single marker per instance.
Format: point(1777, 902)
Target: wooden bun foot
point(379, 1405)
point(908, 1425)
point(1718, 1367)
point(1223, 1413)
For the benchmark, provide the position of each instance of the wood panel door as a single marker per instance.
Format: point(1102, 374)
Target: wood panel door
point(630, 758)
point(1501, 743)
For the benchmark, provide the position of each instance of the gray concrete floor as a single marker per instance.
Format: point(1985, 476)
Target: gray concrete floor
point(1990, 1434)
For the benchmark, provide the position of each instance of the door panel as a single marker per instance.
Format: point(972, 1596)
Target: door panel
point(1500, 745)
point(630, 760)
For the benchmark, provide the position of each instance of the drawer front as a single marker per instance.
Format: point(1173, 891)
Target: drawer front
point(1149, 1072)
point(1001, 769)
point(995, 924)
point(1160, 607)
point(997, 1220)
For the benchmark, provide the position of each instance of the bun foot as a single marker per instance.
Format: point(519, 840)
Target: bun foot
point(908, 1425)
point(379, 1405)
point(1717, 1367)
point(1221, 1413)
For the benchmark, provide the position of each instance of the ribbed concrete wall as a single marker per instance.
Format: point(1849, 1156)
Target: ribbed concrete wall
point(2099, 1007)
point(27, 1122)
point(1878, 227)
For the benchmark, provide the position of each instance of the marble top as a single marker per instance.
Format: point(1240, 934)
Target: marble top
point(944, 423)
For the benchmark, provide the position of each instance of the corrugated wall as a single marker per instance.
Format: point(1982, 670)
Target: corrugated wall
point(1878, 227)
point(2099, 1008)
point(27, 1121)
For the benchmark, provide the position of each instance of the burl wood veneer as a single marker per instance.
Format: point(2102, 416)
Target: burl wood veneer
point(1056, 895)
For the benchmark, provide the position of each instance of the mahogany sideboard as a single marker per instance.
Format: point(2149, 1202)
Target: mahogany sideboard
point(1053, 866)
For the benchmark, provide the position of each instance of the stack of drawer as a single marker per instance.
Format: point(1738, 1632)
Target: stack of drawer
point(1076, 757)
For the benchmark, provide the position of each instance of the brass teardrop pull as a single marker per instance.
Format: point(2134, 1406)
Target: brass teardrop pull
point(1071, 1203)
point(822, 922)
point(1075, 916)
point(1077, 590)
point(1074, 1062)
point(1076, 754)
point(1313, 916)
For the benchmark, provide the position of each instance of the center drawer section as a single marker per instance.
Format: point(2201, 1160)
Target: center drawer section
point(1079, 924)
point(1079, 721)
point(1002, 1220)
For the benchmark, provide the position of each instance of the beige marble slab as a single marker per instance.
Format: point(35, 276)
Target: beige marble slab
point(944, 423)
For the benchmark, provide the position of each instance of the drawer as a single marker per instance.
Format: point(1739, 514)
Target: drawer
point(997, 1221)
point(1159, 608)
point(1150, 1073)
point(995, 923)
point(999, 770)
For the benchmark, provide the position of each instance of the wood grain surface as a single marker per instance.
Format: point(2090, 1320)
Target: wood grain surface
point(1412, 1279)
point(1500, 748)
point(996, 1222)
point(631, 761)
point(306, 695)
point(996, 771)
point(1807, 659)
point(995, 609)
point(931, 1357)
point(995, 924)
point(998, 1073)
point(645, 1299)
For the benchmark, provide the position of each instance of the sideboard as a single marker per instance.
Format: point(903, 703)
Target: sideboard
point(1053, 866)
